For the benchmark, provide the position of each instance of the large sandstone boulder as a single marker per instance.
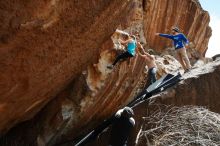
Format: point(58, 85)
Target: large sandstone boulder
point(44, 45)
point(56, 56)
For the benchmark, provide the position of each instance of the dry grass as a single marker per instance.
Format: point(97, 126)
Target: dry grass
point(182, 126)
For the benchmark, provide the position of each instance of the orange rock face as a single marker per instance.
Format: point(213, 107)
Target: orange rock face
point(46, 44)
point(60, 50)
point(161, 15)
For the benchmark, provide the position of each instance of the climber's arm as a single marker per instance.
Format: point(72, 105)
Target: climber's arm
point(124, 42)
point(145, 53)
point(139, 53)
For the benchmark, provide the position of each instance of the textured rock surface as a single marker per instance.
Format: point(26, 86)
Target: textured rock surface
point(161, 15)
point(200, 88)
point(68, 115)
point(63, 52)
point(46, 44)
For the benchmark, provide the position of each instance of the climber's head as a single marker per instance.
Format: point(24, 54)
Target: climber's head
point(133, 37)
point(175, 30)
point(127, 112)
point(137, 36)
point(125, 36)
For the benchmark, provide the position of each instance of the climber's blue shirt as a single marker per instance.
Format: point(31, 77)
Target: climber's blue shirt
point(178, 40)
point(131, 48)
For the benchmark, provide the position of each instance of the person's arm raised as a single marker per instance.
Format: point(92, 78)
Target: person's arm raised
point(165, 35)
point(140, 53)
point(147, 54)
point(140, 46)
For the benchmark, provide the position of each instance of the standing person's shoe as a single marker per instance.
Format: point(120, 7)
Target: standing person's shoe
point(110, 66)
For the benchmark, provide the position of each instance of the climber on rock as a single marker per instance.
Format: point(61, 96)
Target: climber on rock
point(179, 41)
point(150, 64)
point(122, 127)
point(130, 42)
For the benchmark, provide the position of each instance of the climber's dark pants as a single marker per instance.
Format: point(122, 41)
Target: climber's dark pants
point(151, 76)
point(122, 56)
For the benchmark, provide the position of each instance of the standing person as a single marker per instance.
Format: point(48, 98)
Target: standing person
point(179, 41)
point(121, 127)
point(150, 64)
point(130, 41)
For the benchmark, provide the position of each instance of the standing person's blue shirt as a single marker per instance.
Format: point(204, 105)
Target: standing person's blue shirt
point(179, 40)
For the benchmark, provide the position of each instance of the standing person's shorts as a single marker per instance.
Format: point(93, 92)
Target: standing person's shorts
point(182, 53)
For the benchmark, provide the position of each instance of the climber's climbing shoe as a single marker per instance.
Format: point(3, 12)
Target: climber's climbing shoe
point(110, 66)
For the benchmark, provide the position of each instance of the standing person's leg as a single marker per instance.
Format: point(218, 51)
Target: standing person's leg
point(121, 56)
point(185, 58)
point(179, 58)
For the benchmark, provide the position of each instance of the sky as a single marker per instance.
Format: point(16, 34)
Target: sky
point(213, 7)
